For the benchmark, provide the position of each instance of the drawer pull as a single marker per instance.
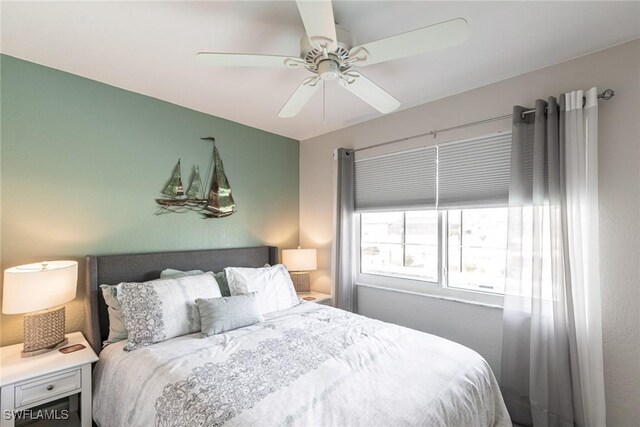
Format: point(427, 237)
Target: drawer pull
point(50, 387)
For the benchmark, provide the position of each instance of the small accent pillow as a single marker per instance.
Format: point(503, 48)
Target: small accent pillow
point(218, 315)
point(273, 284)
point(161, 309)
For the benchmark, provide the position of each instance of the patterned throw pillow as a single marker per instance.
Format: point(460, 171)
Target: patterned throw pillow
point(158, 310)
point(117, 327)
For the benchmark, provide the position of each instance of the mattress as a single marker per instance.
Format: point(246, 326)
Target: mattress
point(309, 365)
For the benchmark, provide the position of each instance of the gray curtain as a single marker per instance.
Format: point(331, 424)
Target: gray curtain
point(536, 371)
point(343, 265)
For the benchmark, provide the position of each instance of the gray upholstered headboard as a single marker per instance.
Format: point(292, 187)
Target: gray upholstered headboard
point(113, 269)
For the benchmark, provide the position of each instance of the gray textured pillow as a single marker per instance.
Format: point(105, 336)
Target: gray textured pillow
point(218, 315)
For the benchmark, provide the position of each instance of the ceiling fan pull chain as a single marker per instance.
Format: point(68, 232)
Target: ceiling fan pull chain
point(324, 102)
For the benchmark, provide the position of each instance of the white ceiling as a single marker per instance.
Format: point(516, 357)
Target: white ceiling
point(150, 47)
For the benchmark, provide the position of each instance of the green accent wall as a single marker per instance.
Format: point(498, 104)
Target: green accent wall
point(82, 161)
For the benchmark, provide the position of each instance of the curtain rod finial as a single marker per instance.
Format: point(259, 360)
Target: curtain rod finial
point(607, 94)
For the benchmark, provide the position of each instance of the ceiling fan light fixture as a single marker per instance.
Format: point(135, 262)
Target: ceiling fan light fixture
point(328, 70)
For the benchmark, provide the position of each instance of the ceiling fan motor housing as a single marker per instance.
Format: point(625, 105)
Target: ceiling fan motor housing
point(331, 65)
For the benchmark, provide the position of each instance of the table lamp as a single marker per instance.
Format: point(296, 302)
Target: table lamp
point(299, 262)
point(34, 287)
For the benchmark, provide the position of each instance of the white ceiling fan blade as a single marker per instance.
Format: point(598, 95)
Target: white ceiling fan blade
point(247, 60)
point(300, 97)
point(369, 92)
point(437, 36)
point(317, 16)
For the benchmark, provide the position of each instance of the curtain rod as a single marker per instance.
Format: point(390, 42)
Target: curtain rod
point(606, 95)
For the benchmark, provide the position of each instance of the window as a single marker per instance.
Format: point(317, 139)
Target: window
point(468, 244)
point(436, 215)
point(402, 244)
point(476, 249)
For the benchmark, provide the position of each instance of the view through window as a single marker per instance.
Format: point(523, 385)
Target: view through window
point(403, 244)
point(472, 244)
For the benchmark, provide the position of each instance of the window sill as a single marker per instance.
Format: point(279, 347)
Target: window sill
point(476, 298)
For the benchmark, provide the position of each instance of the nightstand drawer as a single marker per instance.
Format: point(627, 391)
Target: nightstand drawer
point(47, 387)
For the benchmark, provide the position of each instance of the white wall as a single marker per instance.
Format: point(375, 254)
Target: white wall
point(619, 157)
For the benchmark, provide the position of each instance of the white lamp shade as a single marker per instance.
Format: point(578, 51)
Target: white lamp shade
point(34, 287)
point(299, 259)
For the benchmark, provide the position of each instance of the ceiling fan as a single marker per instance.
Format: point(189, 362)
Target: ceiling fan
point(327, 50)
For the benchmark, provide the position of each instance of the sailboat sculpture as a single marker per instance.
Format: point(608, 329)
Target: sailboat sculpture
point(195, 187)
point(220, 201)
point(173, 191)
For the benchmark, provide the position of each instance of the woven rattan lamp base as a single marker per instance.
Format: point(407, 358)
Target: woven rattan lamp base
point(301, 282)
point(43, 332)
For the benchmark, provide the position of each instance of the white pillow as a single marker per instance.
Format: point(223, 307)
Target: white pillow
point(170, 272)
point(273, 285)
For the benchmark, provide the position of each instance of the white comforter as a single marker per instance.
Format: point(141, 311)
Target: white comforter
point(307, 366)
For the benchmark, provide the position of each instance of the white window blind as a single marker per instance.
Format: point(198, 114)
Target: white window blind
point(471, 173)
point(399, 181)
point(474, 172)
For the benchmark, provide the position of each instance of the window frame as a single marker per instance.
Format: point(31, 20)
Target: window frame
point(404, 244)
point(439, 289)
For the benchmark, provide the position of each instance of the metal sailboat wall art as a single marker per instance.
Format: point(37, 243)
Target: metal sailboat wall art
point(174, 187)
point(218, 203)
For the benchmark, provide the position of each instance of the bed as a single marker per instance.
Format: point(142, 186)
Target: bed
point(310, 365)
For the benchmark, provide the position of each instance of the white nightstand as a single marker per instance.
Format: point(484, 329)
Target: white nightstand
point(32, 381)
point(318, 297)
